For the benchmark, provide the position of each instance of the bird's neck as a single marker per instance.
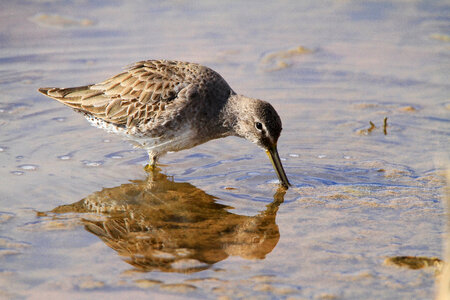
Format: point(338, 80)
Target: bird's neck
point(233, 112)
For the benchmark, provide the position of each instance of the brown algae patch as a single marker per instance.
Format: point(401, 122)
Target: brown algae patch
point(230, 188)
point(385, 108)
point(91, 284)
point(178, 287)
point(207, 283)
point(372, 127)
point(363, 275)
point(146, 283)
point(277, 291)
point(131, 272)
point(286, 53)
point(415, 262)
point(8, 252)
point(5, 217)
point(59, 21)
point(263, 287)
point(327, 296)
point(363, 106)
point(263, 278)
point(205, 280)
point(407, 108)
point(368, 195)
point(367, 131)
point(441, 37)
point(282, 59)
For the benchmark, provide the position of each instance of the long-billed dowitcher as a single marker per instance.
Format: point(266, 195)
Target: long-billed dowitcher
point(169, 106)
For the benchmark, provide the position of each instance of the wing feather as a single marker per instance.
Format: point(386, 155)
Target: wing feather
point(136, 95)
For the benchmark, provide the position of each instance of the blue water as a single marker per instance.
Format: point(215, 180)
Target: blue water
point(357, 197)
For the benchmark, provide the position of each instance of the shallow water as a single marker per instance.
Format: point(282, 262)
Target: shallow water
point(212, 223)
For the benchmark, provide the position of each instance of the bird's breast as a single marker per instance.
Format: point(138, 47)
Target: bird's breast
point(184, 137)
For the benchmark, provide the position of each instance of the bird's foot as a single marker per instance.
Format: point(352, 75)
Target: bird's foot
point(149, 168)
point(152, 168)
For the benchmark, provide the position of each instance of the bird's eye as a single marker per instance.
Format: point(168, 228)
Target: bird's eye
point(258, 126)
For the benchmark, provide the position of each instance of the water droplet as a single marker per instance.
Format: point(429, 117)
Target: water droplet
point(282, 159)
point(347, 157)
point(253, 173)
point(294, 155)
point(19, 157)
point(106, 141)
point(18, 173)
point(116, 156)
point(321, 156)
point(28, 167)
point(65, 157)
point(89, 163)
point(2, 149)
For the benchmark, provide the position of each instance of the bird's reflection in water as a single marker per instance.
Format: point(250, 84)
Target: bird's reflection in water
point(158, 224)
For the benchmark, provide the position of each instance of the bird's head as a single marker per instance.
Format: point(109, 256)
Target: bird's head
point(258, 122)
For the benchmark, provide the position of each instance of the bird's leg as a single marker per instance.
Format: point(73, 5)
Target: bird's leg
point(151, 166)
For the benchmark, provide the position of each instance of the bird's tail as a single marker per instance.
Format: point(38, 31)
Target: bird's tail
point(78, 97)
point(69, 96)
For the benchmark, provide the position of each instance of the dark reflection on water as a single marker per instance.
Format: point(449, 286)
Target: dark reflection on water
point(158, 224)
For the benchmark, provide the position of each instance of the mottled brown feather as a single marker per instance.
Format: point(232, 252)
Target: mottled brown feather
point(147, 83)
point(170, 106)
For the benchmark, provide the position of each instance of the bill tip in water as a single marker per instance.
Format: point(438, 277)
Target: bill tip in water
point(272, 153)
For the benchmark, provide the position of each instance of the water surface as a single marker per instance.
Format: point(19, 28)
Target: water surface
point(213, 223)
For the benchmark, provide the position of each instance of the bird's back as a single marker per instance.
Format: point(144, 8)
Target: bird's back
point(152, 91)
point(157, 103)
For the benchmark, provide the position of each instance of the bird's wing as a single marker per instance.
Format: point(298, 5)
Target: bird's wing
point(133, 96)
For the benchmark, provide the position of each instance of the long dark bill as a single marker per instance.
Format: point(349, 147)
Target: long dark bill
point(272, 152)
